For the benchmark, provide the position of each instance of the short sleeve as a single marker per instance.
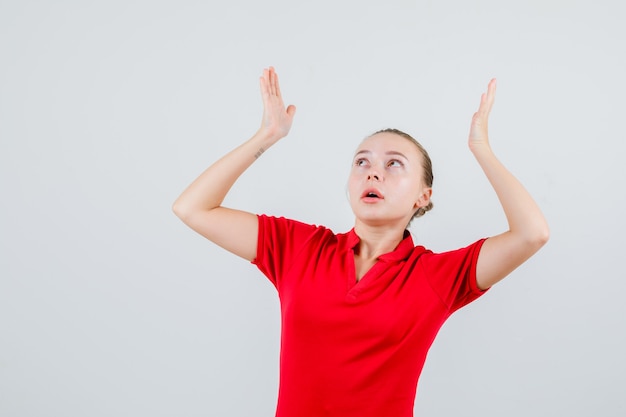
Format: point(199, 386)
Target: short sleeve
point(280, 241)
point(452, 275)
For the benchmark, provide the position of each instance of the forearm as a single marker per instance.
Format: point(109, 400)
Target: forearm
point(210, 188)
point(524, 217)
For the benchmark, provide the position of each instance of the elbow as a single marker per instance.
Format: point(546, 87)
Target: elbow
point(540, 237)
point(179, 210)
point(189, 213)
point(543, 232)
point(532, 238)
point(545, 235)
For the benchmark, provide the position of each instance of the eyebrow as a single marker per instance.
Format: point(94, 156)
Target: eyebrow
point(365, 151)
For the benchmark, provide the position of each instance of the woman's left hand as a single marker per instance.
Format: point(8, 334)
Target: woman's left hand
point(478, 134)
point(528, 229)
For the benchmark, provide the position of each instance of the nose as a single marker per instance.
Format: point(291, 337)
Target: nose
point(373, 176)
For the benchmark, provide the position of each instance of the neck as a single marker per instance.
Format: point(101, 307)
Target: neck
point(377, 240)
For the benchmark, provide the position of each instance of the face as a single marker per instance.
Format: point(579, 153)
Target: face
point(386, 184)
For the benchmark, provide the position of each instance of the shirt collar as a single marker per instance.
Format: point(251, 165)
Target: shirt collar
point(401, 252)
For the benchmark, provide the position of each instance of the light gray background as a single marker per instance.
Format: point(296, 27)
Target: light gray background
point(110, 306)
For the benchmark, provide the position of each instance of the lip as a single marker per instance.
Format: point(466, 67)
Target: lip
point(372, 190)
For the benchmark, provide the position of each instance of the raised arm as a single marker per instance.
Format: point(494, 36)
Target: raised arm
point(199, 206)
point(528, 229)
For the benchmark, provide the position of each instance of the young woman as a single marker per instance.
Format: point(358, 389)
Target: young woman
point(359, 310)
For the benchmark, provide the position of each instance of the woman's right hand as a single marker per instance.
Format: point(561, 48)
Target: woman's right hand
point(277, 119)
point(200, 205)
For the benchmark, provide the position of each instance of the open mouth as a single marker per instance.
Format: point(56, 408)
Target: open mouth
point(372, 194)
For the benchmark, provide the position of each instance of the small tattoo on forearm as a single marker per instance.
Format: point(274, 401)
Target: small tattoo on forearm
point(259, 153)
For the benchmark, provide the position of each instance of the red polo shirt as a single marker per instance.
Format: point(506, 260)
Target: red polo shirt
point(356, 349)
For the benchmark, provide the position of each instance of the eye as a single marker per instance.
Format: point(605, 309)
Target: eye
point(395, 163)
point(360, 162)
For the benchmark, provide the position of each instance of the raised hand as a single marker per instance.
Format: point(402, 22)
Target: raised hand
point(277, 119)
point(528, 229)
point(479, 134)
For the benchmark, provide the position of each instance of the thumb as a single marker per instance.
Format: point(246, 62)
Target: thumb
point(291, 110)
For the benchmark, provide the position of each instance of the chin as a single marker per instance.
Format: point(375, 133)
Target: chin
point(377, 221)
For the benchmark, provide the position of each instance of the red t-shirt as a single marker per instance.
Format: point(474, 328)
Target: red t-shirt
point(356, 349)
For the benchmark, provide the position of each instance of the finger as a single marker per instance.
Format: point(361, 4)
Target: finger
point(482, 107)
point(278, 93)
point(491, 94)
point(487, 99)
point(266, 76)
point(272, 75)
point(263, 84)
point(291, 110)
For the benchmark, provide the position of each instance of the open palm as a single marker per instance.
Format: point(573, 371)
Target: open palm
point(277, 119)
point(479, 132)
